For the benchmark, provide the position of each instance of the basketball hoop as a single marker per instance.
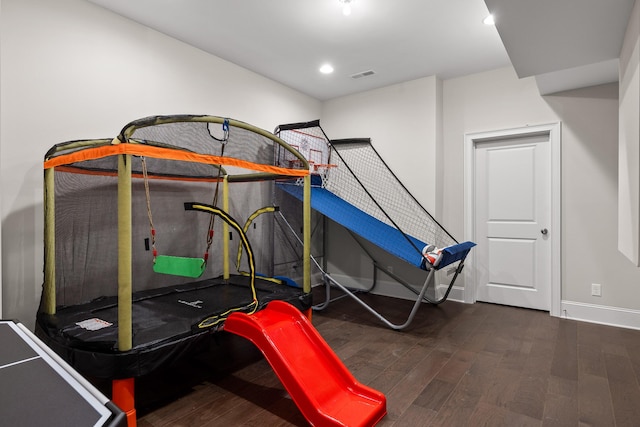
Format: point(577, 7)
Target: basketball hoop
point(321, 168)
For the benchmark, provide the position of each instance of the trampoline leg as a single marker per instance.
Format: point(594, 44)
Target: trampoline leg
point(307, 313)
point(123, 397)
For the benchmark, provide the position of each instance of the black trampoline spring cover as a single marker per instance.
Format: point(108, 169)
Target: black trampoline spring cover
point(165, 322)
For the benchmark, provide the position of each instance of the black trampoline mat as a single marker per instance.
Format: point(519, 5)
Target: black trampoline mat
point(166, 314)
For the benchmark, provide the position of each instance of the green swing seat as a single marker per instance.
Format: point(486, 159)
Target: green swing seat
point(179, 266)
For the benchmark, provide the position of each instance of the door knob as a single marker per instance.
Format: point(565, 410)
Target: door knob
point(544, 231)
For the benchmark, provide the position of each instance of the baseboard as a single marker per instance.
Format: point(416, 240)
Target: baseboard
point(456, 294)
point(389, 288)
point(592, 313)
point(604, 315)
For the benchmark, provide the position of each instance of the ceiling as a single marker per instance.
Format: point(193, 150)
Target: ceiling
point(564, 43)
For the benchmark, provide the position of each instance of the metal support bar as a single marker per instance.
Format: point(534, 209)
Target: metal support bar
point(351, 292)
point(380, 317)
point(421, 297)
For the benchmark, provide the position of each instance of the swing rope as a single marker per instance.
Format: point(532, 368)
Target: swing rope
point(223, 141)
point(145, 177)
point(183, 266)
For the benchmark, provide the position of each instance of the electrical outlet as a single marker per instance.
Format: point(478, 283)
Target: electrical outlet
point(596, 290)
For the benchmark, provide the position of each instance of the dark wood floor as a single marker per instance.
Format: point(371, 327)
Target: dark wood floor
point(457, 365)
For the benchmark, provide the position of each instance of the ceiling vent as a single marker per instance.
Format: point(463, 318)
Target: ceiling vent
point(363, 74)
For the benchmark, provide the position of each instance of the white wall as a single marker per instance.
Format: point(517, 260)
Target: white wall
point(403, 122)
point(629, 142)
point(589, 117)
point(498, 100)
point(71, 70)
point(481, 102)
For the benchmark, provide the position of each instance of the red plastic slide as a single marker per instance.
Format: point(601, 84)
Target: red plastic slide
point(317, 380)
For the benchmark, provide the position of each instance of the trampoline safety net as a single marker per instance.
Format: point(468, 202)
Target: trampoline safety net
point(114, 206)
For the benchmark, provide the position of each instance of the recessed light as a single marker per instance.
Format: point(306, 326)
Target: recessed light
point(326, 69)
point(346, 6)
point(489, 20)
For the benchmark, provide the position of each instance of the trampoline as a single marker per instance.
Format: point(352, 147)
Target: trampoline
point(127, 291)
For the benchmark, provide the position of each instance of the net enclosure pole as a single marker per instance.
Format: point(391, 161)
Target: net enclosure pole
point(225, 228)
point(124, 252)
point(306, 213)
point(49, 289)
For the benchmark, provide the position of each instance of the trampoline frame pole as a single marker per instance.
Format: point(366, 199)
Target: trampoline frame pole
point(306, 214)
point(124, 397)
point(49, 289)
point(122, 390)
point(124, 253)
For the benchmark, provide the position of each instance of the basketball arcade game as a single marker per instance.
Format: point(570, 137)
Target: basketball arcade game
point(356, 189)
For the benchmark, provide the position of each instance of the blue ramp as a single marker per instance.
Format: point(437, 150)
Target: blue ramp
point(364, 225)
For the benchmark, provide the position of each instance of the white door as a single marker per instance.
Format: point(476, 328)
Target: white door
point(513, 220)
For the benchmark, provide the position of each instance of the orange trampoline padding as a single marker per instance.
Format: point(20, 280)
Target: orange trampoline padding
point(317, 380)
